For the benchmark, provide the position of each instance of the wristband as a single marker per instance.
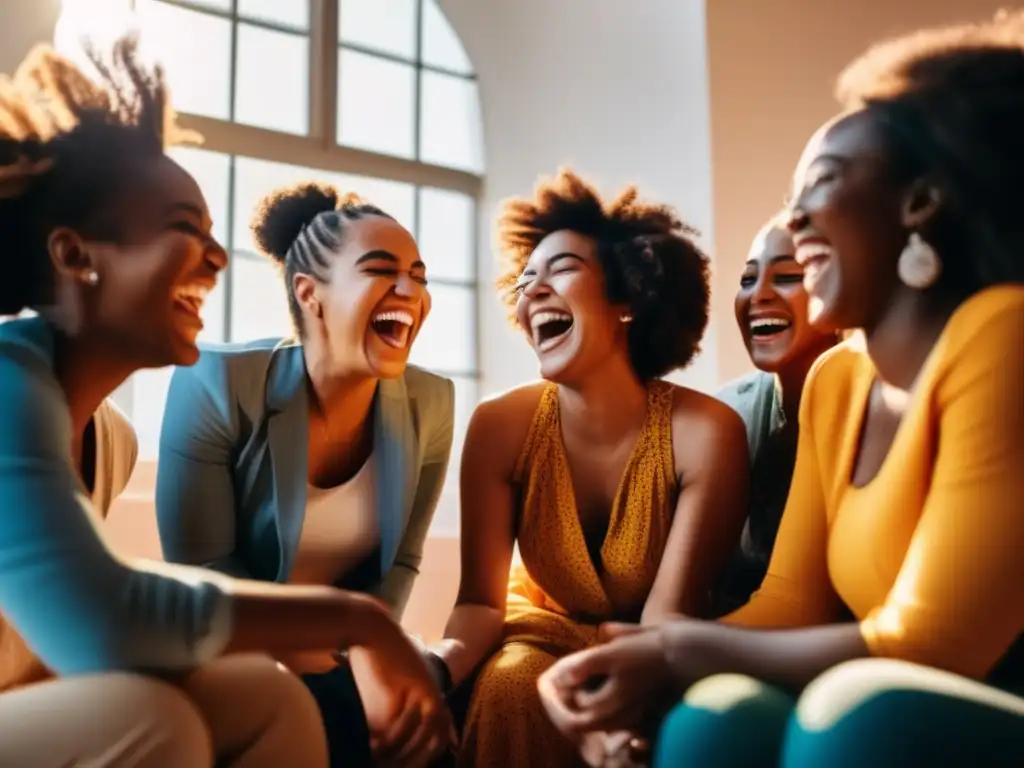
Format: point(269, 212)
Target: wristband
point(442, 672)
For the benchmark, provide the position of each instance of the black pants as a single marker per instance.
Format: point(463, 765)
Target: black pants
point(341, 709)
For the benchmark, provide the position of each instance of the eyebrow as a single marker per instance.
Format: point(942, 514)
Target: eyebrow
point(382, 255)
point(182, 207)
point(555, 259)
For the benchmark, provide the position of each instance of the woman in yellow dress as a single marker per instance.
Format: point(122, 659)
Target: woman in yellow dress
point(625, 494)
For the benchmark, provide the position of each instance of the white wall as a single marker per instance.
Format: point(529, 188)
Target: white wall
point(620, 94)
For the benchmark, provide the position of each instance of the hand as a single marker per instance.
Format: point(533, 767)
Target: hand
point(408, 721)
point(607, 688)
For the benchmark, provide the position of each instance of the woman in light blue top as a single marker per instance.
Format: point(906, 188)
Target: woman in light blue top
point(771, 312)
point(320, 459)
point(109, 241)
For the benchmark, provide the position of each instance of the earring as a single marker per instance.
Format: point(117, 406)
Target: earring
point(92, 277)
point(625, 317)
point(919, 265)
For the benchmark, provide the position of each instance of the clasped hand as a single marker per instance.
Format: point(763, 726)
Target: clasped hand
point(612, 687)
point(410, 725)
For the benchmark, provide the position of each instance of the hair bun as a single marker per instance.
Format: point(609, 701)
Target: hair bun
point(282, 215)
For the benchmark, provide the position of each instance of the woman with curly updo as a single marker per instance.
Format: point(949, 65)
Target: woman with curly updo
point(624, 493)
point(888, 630)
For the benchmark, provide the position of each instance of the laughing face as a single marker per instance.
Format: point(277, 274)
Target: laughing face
point(771, 305)
point(155, 277)
point(847, 223)
point(563, 307)
point(374, 301)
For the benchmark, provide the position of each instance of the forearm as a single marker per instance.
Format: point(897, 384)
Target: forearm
point(285, 619)
point(790, 657)
point(473, 631)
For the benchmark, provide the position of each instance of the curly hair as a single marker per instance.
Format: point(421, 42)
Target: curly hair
point(299, 226)
point(67, 145)
point(951, 104)
point(649, 258)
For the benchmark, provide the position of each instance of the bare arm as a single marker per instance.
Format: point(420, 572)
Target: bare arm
point(711, 459)
point(488, 538)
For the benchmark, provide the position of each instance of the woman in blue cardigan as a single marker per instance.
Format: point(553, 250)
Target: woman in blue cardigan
point(317, 460)
point(108, 240)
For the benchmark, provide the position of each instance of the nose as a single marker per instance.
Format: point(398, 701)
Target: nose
point(796, 219)
point(407, 287)
point(536, 288)
point(762, 292)
point(217, 256)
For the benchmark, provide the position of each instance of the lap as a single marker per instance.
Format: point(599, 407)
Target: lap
point(108, 721)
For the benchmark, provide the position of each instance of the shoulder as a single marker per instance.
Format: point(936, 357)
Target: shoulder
point(988, 326)
point(501, 424)
point(222, 368)
point(432, 392)
point(704, 426)
point(34, 415)
point(746, 389)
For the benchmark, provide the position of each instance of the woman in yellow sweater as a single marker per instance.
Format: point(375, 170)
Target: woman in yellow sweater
point(895, 594)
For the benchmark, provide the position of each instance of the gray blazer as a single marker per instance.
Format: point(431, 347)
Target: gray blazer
point(232, 477)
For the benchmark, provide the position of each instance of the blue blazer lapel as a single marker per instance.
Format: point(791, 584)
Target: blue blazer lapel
point(287, 437)
point(394, 440)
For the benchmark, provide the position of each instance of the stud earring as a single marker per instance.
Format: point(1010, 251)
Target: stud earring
point(625, 317)
point(919, 265)
point(92, 277)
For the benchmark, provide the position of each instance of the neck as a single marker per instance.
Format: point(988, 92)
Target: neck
point(790, 381)
point(88, 371)
point(343, 399)
point(606, 403)
point(900, 342)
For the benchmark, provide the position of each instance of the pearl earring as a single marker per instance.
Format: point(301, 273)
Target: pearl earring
point(625, 317)
point(92, 277)
point(919, 265)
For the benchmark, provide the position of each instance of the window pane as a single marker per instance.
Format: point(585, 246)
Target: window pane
point(273, 80)
point(447, 341)
point(149, 397)
point(213, 313)
point(446, 234)
point(388, 26)
point(395, 198)
point(446, 522)
point(376, 104)
point(253, 180)
point(450, 122)
point(195, 49)
point(259, 305)
point(441, 46)
point(291, 13)
point(211, 170)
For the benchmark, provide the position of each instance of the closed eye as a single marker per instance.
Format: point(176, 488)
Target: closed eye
point(747, 281)
point(188, 228)
point(788, 279)
point(388, 272)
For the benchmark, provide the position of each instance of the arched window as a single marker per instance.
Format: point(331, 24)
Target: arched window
point(377, 96)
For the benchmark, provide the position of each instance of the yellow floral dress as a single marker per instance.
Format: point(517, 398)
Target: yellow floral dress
point(558, 595)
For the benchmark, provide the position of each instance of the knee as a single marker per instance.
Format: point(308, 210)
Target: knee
point(172, 731)
point(725, 720)
point(294, 707)
point(509, 680)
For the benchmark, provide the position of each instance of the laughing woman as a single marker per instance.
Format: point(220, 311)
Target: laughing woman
point(771, 311)
point(318, 460)
point(625, 493)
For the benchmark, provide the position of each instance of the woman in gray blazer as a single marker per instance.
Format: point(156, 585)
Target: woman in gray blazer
point(318, 460)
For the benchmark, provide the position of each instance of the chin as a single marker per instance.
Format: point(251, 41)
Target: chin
point(388, 369)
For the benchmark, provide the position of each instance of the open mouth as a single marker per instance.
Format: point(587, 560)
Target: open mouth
point(766, 329)
point(189, 299)
point(550, 329)
point(394, 327)
point(814, 256)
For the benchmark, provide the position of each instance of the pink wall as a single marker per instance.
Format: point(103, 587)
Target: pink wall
point(771, 68)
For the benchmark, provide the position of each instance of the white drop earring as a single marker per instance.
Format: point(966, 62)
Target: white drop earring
point(919, 265)
point(92, 277)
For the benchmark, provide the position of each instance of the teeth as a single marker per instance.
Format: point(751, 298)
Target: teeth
point(769, 322)
point(394, 315)
point(197, 292)
point(549, 317)
point(807, 253)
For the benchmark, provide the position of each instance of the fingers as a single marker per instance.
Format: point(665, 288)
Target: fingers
point(611, 630)
point(578, 668)
point(387, 744)
point(417, 737)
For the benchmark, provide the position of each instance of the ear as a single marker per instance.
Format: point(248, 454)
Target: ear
point(305, 289)
point(70, 256)
point(921, 201)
